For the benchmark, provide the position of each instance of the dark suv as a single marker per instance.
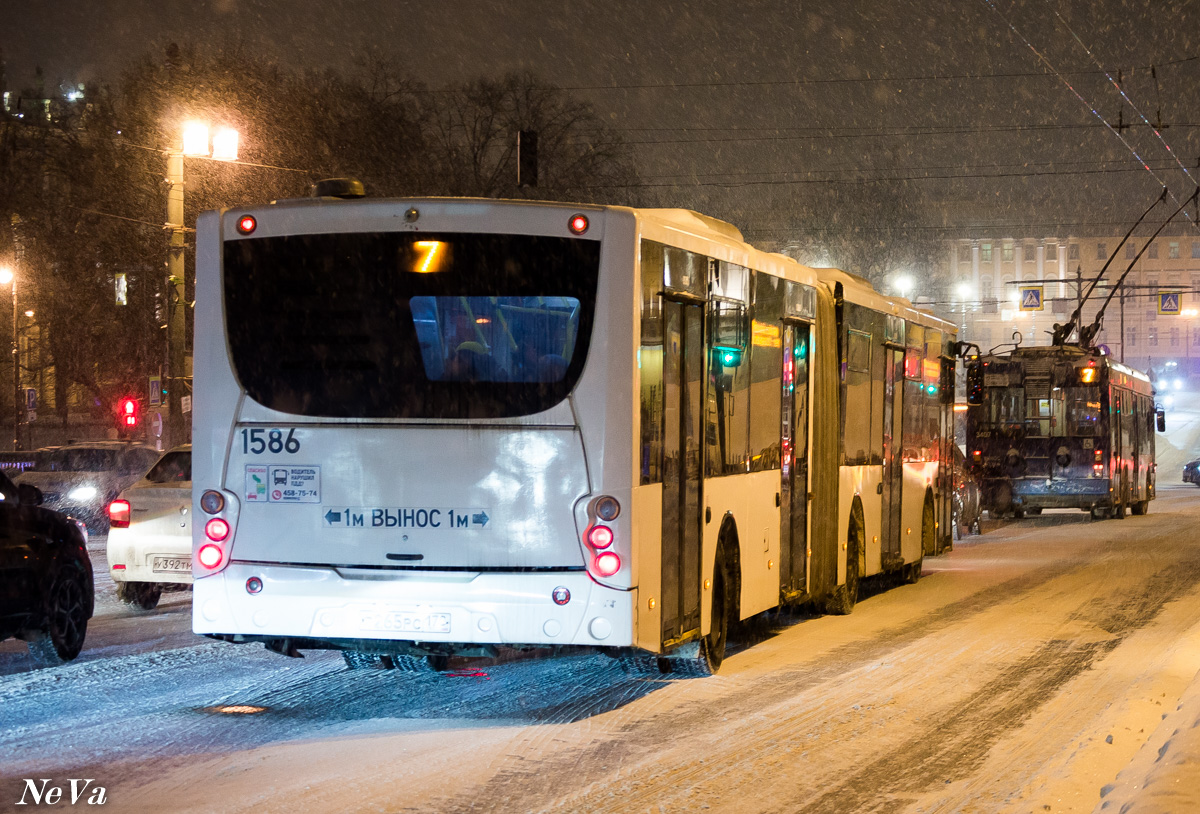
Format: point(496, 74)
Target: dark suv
point(46, 589)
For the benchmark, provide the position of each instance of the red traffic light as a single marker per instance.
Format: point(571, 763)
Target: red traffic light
point(128, 411)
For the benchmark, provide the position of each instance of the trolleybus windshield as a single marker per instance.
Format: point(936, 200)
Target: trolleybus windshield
point(402, 325)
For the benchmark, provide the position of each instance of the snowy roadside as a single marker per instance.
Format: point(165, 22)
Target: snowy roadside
point(1162, 777)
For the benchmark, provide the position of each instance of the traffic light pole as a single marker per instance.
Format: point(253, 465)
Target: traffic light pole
point(176, 428)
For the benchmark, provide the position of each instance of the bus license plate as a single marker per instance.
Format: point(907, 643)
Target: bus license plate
point(171, 564)
point(405, 622)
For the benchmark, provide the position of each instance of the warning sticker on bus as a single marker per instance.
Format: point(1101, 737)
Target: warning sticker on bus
point(437, 518)
point(273, 483)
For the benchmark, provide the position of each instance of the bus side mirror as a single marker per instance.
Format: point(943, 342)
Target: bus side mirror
point(1162, 419)
point(974, 383)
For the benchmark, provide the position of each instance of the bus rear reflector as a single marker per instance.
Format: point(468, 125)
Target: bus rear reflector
point(216, 530)
point(607, 564)
point(118, 514)
point(578, 224)
point(210, 555)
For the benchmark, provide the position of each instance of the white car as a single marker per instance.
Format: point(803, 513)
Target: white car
point(150, 531)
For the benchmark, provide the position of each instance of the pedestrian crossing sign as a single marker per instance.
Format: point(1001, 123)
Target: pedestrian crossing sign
point(1031, 298)
point(1168, 302)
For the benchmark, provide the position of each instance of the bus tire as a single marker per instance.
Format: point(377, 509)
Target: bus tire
point(843, 598)
point(912, 570)
point(358, 660)
point(1140, 507)
point(419, 664)
point(703, 658)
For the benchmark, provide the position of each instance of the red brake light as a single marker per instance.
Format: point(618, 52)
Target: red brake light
point(600, 536)
point(210, 556)
point(578, 224)
point(216, 530)
point(118, 514)
point(246, 224)
point(607, 564)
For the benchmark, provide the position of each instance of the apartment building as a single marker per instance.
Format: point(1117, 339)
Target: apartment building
point(986, 277)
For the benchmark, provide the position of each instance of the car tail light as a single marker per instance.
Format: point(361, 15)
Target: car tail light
point(600, 536)
point(607, 563)
point(210, 556)
point(216, 529)
point(118, 514)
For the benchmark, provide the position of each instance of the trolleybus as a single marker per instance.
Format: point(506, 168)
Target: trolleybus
point(1061, 427)
point(434, 427)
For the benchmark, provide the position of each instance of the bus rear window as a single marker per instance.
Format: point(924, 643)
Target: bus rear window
point(401, 325)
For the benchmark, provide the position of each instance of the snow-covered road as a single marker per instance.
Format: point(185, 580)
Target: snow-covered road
point(1027, 669)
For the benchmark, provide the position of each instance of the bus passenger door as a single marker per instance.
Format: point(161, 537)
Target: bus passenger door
point(683, 394)
point(893, 468)
point(793, 493)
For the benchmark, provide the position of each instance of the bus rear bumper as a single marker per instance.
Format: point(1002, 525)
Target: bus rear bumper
point(454, 609)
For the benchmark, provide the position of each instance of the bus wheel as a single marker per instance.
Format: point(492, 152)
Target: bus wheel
point(358, 660)
point(702, 659)
point(841, 601)
point(1035, 511)
point(1140, 507)
point(1099, 513)
point(912, 570)
point(419, 664)
point(1018, 513)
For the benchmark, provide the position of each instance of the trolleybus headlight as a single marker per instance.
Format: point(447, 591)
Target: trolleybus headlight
point(216, 529)
point(578, 224)
point(607, 508)
point(246, 224)
point(118, 514)
point(210, 555)
point(600, 536)
point(607, 564)
point(212, 501)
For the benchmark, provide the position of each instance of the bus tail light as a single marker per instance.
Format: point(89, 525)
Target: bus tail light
point(210, 555)
point(1097, 470)
point(600, 537)
point(118, 514)
point(607, 563)
point(216, 529)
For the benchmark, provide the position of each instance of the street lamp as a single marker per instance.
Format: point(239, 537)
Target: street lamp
point(964, 293)
point(223, 146)
point(1191, 314)
point(903, 284)
point(9, 277)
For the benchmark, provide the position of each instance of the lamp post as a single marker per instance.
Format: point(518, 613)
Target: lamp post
point(964, 292)
point(1189, 314)
point(903, 284)
point(196, 143)
point(9, 277)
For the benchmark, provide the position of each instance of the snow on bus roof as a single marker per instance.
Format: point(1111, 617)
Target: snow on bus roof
point(691, 221)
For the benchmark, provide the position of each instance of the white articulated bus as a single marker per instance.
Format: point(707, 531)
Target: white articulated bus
point(433, 427)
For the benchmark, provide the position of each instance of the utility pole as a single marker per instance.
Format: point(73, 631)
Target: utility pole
point(1122, 324)
point(1079, 293)
point(175, 375)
